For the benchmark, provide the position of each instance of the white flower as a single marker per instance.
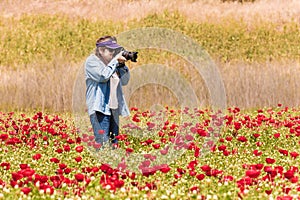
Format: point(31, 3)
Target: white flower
point(123, 189)
point(37, 184)
point(6, 190)
point(48, 190)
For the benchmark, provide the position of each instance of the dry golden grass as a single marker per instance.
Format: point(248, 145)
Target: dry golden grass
point(246, 86)
point(278, 11)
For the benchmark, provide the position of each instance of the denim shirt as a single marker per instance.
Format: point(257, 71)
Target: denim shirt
point(97, 76)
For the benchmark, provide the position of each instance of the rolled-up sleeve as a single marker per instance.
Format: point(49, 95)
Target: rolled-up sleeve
point(97, 71)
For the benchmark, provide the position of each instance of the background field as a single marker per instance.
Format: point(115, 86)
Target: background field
point(255, 46)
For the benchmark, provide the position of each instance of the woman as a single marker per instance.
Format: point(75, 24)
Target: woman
point(105, 74)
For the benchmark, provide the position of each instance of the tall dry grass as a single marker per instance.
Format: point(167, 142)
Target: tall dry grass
point(278, 11)
point(247, 86)
point(42, 88)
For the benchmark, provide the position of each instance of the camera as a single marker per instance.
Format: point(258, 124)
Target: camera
point(130, 55)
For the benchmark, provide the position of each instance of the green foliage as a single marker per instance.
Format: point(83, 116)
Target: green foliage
point(40, 38)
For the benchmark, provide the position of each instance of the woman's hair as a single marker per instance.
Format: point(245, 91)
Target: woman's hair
point(103, 39)
point(106, 38)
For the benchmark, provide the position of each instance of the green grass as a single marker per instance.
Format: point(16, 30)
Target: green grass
point(40, 38)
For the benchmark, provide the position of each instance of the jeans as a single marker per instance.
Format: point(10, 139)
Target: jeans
point(105, 127)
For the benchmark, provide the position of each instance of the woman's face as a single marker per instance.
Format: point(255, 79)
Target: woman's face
point(107, 54)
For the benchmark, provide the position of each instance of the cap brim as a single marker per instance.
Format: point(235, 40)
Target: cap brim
point(113, 46)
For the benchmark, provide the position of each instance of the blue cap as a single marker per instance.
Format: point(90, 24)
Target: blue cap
point(112, 44)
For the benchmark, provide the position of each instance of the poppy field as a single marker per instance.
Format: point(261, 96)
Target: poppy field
point(238, 154)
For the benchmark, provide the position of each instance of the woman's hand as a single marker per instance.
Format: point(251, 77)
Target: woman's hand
point(121, 59)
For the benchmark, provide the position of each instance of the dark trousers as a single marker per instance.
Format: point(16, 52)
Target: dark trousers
point(105, 127)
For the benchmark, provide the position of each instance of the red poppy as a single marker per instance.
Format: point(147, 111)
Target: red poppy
point(96, 145)
point(222, 147)
point(165, 168)
point(5, 165)
point(205, 168)
point(23, 166)
point(268, 192)
point(4, 137)
point(129, 150)
point(16, 176)
point(259, 144)
point(194, 189)
point(294, 179)
point(150, 125)
point(26, 190)
point(294, 154)
point(79, 177)
point(156, 146)
point(227, 178)
point(257, 153)
point(289, 174)
point(67, 170)
point(226, 153)
point(259, 166)
point(253, 173)
point(55, 160)
point(270, 160)
point(181, 171)
point(200, 177)
point(283, 152)
point(164, 151)
point(37, 156)
point(101, 132)
point(67, 148)
point(62, 165)
point(242, 139)
point(189, 137)
point(237, 125)
point(59, 150)
point(78, 159)
point(276, 135)
point(79, 149)
point(192, 173)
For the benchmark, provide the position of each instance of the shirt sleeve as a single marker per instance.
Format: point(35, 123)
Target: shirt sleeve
point(124, 74)
point(97, 71)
